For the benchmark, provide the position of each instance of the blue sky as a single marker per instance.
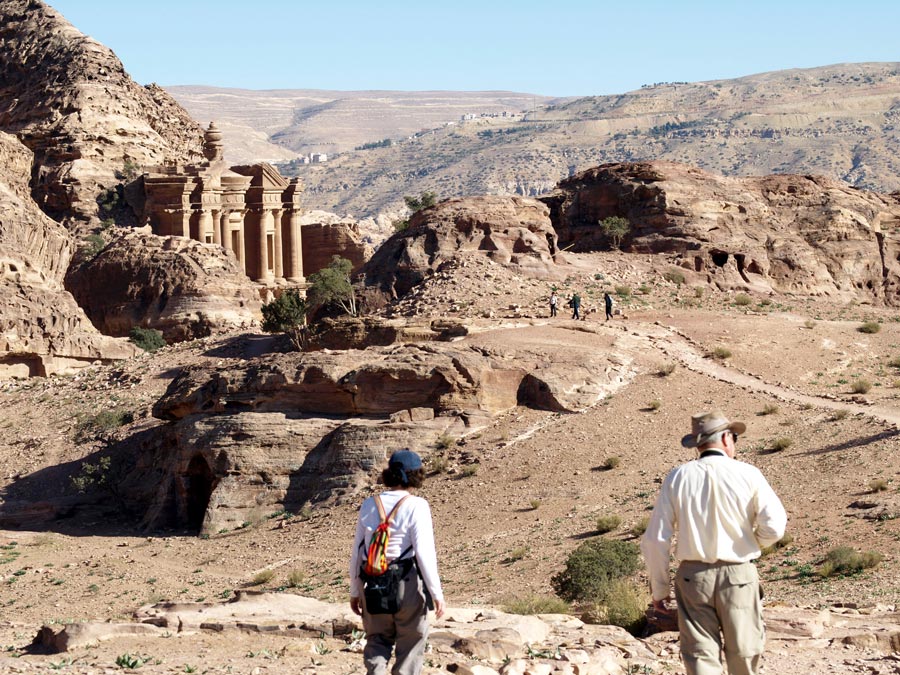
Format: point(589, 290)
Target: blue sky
point(557, 48)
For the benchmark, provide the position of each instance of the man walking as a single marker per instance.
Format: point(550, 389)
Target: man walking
point(724, 511)
point(554, 301)
point(575, 304)
point(608, 301)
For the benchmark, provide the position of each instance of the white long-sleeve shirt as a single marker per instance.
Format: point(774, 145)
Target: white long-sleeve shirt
point(411, 526)
point(724, 511)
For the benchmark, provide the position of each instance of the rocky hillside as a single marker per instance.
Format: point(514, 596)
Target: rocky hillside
point(69, 99)
point(282, 124)
point(837, 121)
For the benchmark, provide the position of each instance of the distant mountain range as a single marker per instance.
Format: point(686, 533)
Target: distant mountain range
point(842, 121)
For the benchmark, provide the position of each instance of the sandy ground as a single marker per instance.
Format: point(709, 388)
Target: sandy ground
point(509, 503)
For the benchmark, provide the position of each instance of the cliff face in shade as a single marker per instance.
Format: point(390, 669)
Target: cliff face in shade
point(785, 233)
point(42, 330)
point(69, 99)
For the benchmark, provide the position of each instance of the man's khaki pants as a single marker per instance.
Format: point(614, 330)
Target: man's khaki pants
point(406, 630)
point(719, 606)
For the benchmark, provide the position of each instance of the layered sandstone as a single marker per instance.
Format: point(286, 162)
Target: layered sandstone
point(42, 330)
point(785, 233)
point(513, 231)
point(328, 238)
point(284, 430)
point(178, 286)
point(69, 99)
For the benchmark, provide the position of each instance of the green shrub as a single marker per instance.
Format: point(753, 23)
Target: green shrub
point(91, 246)
point(94, 426)
point(536, 604)
point(287, 314)
point(845, 561)
point(674, 276)
point(861, 386)
point(869, 327)
point(608, 523)
point(593, 566)
point(444, 441)
point(742, 300)
point(623, 605)
point(780, 444)
point(147, 339)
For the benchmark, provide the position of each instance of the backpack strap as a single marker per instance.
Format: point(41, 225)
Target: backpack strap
point(389, 519)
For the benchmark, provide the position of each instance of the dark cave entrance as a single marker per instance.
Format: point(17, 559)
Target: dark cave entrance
point(199, 483)
point(719, 258)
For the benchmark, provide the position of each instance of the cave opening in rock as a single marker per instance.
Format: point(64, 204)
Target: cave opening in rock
point(719, 258)
point(199, 483)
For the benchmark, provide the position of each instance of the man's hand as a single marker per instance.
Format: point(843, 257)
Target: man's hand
point(439, 608)
point(356, 606)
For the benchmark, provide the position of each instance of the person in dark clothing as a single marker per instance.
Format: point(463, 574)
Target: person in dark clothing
point(607, 299)
point(575, 304)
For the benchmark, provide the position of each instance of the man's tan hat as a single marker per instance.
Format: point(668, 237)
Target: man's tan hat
point(705, 424)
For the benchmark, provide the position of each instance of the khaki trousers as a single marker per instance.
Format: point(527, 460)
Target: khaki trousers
point(406, 630)
point(719, 607)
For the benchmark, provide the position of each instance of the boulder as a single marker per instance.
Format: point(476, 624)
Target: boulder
point(322, 241)
point(513, 231)
point(181, 287)
point(784, 233)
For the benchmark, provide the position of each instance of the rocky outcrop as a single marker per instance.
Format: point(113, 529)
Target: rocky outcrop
point(69, 99)
point(322, 241)
point(513, 231)
point(178, 286)
point(42, 330)
point(278, 432)
point(800, 234)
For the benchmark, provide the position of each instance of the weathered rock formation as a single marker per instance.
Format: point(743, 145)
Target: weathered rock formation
point(287, 429)
point(69, 99)
point(42, 330)
point(803, 234)
point(322, 240)
point(512, 231)
point(178, 286)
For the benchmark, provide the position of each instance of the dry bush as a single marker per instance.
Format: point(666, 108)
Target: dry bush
point(809, 323)
point(894, 362)
point(720, 352)
point(295, 578)
point(742, 300)
point(444, 441)
point(769, 409)
point(263, 577)
point(838, 415)
point(654, 405)
point(608, 523)
point(861, 386)
point(623, 605)
point(786, 540)
point(611, 463)
point(518, 553)
point(536, 604)
point(666, 369)
point(878, 485)
point(674, 276)
point(640, 526)
point(870, 327)
point(535, 504)
point(780, 444)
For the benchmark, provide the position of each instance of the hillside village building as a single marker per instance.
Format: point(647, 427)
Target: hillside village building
point(251, 210)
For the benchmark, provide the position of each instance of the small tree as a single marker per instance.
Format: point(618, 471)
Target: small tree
point(423, 201)
point(287, 314)
point(331, 286)
point(614, 229)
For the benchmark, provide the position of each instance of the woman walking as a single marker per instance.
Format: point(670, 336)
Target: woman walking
point(411, 558)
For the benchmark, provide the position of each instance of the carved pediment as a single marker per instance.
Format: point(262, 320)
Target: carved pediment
point(264, 176)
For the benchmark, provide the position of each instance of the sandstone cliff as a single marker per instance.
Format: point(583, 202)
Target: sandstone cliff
point(69, 99)
point(178, 286)
point(799, 234)
point(323, 240)
point(42, 330)
point(513, 231)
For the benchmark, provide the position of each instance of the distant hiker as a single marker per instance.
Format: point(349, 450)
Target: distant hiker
point(394, 603)
point(554, 302)
point(608, 301)
point(724, 511)
point(575, 304)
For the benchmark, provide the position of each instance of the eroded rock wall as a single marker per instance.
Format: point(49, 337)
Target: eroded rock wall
point(800, 234)
point(322, 241)
point(42, 330)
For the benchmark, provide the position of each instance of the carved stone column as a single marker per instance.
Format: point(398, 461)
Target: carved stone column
point(278, 262)
point(224, 231)
point(294, 247)
point(216, 230)
point(186, 223)
point(204, 224)
point(265, 224)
